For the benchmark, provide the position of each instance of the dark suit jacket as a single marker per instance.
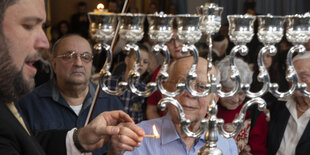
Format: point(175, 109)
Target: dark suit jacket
point(278, 122)
point(15, 140)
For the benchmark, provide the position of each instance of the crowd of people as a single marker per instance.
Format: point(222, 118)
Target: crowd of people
point(43, 110)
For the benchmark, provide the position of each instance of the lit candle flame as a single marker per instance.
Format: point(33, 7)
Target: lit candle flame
point(100, 6)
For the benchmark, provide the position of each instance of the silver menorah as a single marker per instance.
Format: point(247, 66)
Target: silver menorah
point(189, 29)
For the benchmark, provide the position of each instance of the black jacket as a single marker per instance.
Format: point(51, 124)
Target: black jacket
point(276, 128)
point(15, 140)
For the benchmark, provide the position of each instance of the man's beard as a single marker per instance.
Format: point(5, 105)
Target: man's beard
point(12, 82)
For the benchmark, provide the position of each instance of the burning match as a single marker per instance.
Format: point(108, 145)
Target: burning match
point(152, 136)
point(156, 134)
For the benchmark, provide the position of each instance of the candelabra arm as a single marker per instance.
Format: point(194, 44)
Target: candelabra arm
point(291, 75)
point(302, 87)
point(191, 76)
point(235, 76)
point(263, 75)
point(185, 123)
point(238, 122)
point(134, 75)
point(105, 74)
point(163, 75)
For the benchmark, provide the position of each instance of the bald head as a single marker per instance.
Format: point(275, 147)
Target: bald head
point(179, 69)
point(67, 40)
point(195, 108)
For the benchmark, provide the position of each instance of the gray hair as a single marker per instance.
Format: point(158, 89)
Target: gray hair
point(224, 69)
point(306, 55)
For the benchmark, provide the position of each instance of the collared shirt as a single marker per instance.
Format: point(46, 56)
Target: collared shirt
point(171, 143)
point(46, 109)
point(295, 126)
point(134, 105)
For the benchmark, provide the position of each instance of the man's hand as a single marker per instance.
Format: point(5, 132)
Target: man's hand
point(129, 137)
point(99, 131)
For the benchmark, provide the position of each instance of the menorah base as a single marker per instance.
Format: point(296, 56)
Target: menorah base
point(206, 150)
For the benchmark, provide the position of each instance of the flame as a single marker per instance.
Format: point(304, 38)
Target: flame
point(100, 6)
point(156, 134)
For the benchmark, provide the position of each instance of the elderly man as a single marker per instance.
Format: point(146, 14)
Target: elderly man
point(21, 37)
point(64, 102)
point(289, 127)
point(172, 139)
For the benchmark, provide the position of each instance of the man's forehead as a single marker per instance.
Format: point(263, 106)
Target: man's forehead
point(29, 9)
point(75, 43)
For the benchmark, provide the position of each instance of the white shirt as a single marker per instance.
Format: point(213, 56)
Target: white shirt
point(76, 108)
point(294, 129)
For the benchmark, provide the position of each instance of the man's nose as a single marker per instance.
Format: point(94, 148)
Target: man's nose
point(77, 60)
point(41, 41)
point(235, 98)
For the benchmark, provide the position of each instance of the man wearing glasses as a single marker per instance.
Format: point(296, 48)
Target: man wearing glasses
point(64, 102)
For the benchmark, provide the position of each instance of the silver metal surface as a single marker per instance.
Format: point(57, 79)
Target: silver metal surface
point(210, 23)
point(270, 32)
point(102, 29)
point(190, 29)
point(241, 28)
point(298, 33)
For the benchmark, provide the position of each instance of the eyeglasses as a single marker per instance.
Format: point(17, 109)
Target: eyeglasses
point(198, 86)
point(70, 56)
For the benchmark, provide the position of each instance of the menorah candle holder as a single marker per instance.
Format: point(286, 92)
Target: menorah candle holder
point(160, 32)
point(270, 32)
point(102, 30)
point(190, 28)
point(298, 33)
point(210, 23)
point(132, 31)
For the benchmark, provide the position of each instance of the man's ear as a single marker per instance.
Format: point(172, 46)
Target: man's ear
point(53, 62)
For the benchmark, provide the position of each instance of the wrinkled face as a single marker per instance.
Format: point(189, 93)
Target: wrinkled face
point(73, 71)
point(175, 46)
point(231, 103)
point(130, 61)
point(195, 108)
point(302, 67)
point(24, 37)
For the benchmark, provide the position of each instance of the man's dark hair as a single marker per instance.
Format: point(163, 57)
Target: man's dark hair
point(4, 4)
point(218, 37)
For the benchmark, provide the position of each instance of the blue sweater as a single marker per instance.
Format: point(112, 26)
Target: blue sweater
point(46, 109)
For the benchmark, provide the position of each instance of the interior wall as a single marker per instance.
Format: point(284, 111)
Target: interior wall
point(63, 10)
